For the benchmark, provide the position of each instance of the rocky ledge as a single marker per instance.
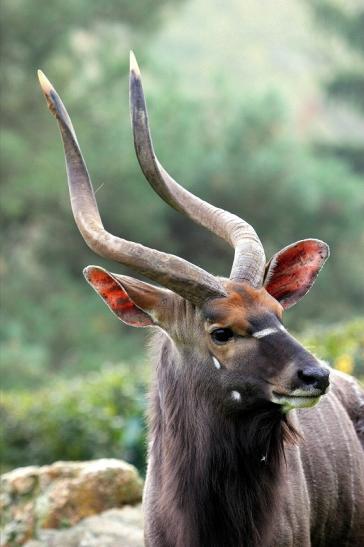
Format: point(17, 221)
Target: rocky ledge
point(69, 504)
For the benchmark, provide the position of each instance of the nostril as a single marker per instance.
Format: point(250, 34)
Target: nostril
point(315, 377)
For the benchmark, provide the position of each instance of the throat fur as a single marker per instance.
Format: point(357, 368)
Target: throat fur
point(217, 476)
point(236, 498)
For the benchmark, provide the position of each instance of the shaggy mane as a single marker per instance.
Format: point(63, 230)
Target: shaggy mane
point(219, 469)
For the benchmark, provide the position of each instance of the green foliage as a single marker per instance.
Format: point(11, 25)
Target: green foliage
point(100, 415)
point(56, 329)
point(71, 41)
point(345, 84)
point(351, 153)
point(345, 20)
point(341, 345)
point(50, 325)
point(348, 86)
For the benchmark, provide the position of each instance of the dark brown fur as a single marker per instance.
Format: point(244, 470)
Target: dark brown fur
point(217, 476)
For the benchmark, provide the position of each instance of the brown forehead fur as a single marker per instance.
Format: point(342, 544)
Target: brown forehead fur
point(242, 302)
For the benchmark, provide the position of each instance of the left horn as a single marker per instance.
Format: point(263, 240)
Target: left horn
point(170, 271)
point(249, 260)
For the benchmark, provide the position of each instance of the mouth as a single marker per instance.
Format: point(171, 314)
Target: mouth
point(296, 399)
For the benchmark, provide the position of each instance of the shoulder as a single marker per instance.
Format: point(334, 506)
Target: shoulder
point(351, 395)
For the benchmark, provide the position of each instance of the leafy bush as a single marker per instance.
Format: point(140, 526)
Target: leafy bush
point(101, 415)
point(342, 346)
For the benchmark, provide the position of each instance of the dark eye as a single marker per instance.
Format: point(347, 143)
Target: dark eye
point(221, 336)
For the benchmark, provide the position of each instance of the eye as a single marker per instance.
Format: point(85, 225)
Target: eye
point(221, 336)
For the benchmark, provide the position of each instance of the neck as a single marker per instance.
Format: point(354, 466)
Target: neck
point(213, 476)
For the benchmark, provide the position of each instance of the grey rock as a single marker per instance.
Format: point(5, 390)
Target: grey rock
point(58, 496)
point(113, 528)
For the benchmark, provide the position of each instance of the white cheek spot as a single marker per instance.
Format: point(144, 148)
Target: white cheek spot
point(216, 362)
point(265, 332)
point(281, 327)
point(235, 395)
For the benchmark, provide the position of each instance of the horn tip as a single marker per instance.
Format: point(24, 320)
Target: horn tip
point(133, 64)
point(45, 84)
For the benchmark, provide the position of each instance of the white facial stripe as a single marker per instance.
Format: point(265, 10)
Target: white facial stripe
point(235, 395)
point(216, 362)
point(265, 332)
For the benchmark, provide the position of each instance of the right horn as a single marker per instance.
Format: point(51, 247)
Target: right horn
point(249, 260)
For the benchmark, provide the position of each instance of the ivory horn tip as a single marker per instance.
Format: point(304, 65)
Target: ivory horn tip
point(133, 64)
point(45, 84)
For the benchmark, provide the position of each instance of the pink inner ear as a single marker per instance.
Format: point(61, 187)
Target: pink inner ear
point(117, 298)
point(293, 270)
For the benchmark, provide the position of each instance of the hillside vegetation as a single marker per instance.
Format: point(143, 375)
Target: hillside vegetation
point(250, 109)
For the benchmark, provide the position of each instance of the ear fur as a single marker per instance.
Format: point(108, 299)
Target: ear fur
point(132, 301)
point(291, 272)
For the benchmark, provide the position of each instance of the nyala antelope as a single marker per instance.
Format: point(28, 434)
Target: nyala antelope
point(248, 446)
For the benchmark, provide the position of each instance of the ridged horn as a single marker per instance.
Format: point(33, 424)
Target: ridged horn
point(172, 272)
point(249, 260)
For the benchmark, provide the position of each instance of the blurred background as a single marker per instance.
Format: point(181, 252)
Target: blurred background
point(257, 107)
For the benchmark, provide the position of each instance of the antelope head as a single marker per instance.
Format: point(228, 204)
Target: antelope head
point(233, 327)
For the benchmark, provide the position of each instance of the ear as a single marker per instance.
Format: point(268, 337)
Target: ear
point(134, 302)
point(292, 271)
